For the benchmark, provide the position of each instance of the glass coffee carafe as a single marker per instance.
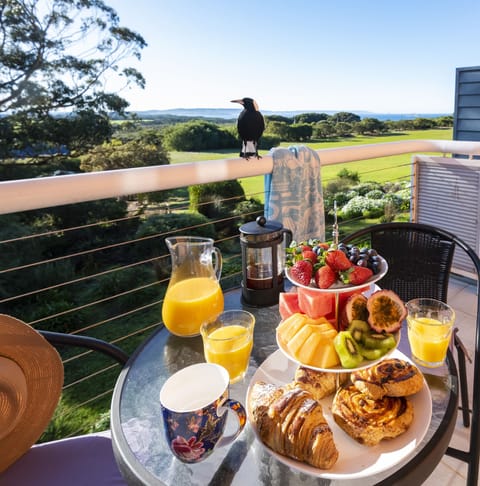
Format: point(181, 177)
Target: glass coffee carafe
point(263, 257)
point(194, 294)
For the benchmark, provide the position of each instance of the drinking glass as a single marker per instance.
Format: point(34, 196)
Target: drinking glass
point(228, 341)
point(430, 324)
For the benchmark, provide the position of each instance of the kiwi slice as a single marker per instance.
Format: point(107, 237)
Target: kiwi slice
point(358, 329)
point(347, 350)
point(371, 354)
point(375, 340)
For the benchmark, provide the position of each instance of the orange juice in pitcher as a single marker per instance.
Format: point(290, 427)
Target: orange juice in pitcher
point(194, 294)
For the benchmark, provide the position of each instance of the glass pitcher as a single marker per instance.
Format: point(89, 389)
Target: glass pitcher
point(193, 295)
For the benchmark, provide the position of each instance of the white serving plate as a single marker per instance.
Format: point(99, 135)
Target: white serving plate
point(355, 460)
point(339, 287)
point(337, 369)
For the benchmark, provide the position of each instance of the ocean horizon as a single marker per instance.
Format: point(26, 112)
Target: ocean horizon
point(232, 113)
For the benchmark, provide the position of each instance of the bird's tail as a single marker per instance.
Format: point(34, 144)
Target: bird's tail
point(249, 149)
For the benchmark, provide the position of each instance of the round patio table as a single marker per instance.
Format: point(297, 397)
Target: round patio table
point(143, 455)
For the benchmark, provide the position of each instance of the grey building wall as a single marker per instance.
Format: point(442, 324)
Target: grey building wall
point(466, 118)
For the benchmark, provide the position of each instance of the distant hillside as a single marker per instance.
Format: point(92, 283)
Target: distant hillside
point(232, 114)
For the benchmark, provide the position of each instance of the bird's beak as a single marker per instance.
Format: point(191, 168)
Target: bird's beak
point(237, 101)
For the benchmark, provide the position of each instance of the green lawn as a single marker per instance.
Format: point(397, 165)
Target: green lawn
point(396, 167)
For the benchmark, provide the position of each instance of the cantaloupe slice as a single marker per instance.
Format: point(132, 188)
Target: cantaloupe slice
point(295, 344)
point(290, 326)
point(306, 353)
point(313, 345)
point(325, 355)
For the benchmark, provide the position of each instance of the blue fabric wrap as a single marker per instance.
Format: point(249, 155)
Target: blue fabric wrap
point(293, 192)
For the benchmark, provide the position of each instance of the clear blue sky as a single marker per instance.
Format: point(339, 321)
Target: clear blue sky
point(383, 56)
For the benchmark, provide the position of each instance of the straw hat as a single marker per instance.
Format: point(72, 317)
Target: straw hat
point(31, 379)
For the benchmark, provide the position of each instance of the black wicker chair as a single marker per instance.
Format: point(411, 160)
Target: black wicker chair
point(420, 258)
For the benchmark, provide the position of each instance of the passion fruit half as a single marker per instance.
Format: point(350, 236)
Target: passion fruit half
point(386, 311)
point(355, 309)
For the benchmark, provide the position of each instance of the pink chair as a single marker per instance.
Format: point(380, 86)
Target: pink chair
point(85, 460)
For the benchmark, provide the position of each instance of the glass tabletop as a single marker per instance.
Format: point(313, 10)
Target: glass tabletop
point(143, 454)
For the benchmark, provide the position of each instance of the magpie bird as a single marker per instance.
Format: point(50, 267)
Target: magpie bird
point(250, 126)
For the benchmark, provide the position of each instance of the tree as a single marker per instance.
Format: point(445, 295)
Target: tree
point(323, 129)
point(278, 118)
point(311, 117)
point(444, 121)
point(344, 116)
point(423, 123)
point(118, 155)
point(278, 128)
point(198, 135)
point(300, 132)
point(57, 60)
point(343, 129)
point(40, 68)
point(370, 125)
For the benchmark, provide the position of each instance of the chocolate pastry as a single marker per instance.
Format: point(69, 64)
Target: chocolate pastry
point(367, 420)
point(390, 377)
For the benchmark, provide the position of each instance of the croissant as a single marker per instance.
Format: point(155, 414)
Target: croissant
point(319, 383)
point(291, 422)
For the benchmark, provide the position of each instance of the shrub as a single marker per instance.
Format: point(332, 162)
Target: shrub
point(404, 196)
point(248, 210)
point(198, 135)
point(365, 187)
point(362, 206)
point(217, 198)
point(267, 142)
point(375, 194)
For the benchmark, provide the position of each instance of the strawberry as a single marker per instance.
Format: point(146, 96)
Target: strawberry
point(356, 275)
point(337, 260)
point(302, 272)
point(309, 255)
point(325, 277)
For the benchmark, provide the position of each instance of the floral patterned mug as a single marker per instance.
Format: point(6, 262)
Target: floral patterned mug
point(194, 403)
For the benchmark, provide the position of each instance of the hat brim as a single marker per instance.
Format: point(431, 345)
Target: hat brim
point(42, 369)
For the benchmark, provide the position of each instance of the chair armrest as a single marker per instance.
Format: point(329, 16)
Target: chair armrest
point(63, 339)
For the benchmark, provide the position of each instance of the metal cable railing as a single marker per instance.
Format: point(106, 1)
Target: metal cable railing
point(92, 298)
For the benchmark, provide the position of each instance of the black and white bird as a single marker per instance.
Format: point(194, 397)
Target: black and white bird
point(250, 126)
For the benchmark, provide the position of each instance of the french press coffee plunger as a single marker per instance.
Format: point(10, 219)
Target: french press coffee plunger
point(263, 259)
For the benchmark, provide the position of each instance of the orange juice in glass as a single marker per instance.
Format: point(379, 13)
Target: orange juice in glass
point(228, 341)
point(430, 324)
point(194, 294)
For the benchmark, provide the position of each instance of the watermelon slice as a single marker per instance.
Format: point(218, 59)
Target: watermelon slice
point(314, 303)
point(288, 304)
